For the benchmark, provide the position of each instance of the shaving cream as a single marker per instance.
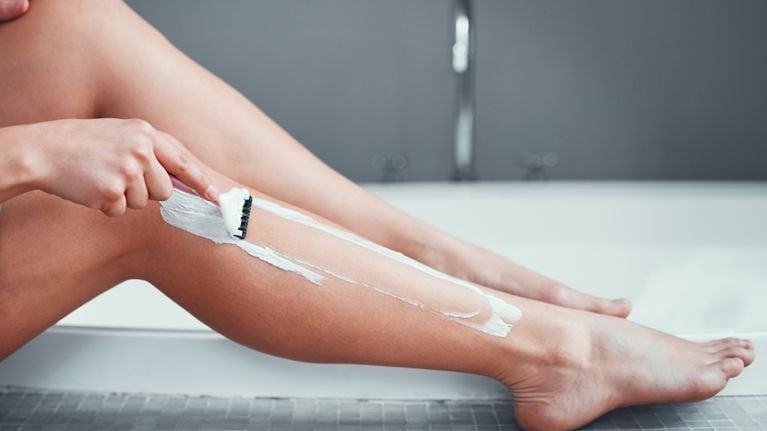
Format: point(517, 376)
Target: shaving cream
point(202, 218)
point(198, 216)
point(502, 309)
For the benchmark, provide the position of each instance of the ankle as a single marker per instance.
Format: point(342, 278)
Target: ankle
point(547, 337)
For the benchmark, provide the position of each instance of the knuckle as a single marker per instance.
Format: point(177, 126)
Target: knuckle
point(142, 149)
point(140, 142)
point(140, 125)
point(182, 164)
point(130, 170)
point(112, 192)
point(140, 138)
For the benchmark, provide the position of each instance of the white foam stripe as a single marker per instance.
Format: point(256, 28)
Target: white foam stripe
point(199, 217)
point(502, 311)
point(195, 215)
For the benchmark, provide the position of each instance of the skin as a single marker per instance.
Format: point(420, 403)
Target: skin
point(12, 9)
point(563, 366)
point(146, 74)
point(128, 163)
point(146, 77)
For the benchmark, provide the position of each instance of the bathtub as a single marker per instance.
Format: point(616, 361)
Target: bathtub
point(691, 256)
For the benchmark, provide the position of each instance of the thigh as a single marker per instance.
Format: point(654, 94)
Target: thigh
point(47, 63)
point(55, 256)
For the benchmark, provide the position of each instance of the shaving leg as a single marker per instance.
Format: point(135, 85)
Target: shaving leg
point(273, 241)
point(83, 58)
point(563, 367)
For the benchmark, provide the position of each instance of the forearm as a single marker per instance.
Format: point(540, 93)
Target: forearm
point(18, 164)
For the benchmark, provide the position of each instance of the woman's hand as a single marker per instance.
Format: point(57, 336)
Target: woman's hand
point(110, 164)
point(11, 9)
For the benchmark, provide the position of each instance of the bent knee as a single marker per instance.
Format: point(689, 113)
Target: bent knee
point(48, 235)
point(51, 60)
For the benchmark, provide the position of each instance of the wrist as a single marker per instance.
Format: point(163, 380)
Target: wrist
point(22, 162)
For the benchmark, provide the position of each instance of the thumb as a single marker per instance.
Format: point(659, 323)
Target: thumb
point(10, 9)
point(178, 184)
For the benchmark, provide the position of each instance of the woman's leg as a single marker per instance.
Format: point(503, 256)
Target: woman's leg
point(104, 55)
point(56, 256)
point(563, 367)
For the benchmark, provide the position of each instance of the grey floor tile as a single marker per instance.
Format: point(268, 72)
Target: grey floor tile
point(24, 409)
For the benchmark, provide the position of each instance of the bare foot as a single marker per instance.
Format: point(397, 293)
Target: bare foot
point(513, 278)
point(590, 364)
point(483, 267)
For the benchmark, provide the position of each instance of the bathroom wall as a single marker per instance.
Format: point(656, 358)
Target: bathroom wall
point(588, 89)
point(667, 89)
point(365, 84)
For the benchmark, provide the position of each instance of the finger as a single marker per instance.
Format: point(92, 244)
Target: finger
point(179, 185)
point(158, 182)
point(175, 159)
point(136, 194)
point(10, 9)
point(205, 187)
point(116, 208)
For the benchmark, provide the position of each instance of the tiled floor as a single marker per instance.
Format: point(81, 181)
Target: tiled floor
point(36, 410)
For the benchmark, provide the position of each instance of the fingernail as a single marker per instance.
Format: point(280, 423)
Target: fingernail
point(212, 193)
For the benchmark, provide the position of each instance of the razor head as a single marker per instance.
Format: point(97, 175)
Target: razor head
point(244, 218)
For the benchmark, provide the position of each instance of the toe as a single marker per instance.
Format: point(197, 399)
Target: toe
point(565, 296)
point(722, 343)
point(738, 351)
point(614, 307)
point(716, 346)
point(731, 367)
point(620, 307)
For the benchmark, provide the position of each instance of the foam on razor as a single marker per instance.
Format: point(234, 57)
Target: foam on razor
point(231, 203)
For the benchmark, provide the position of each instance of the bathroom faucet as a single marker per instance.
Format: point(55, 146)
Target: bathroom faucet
point(463, 65)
